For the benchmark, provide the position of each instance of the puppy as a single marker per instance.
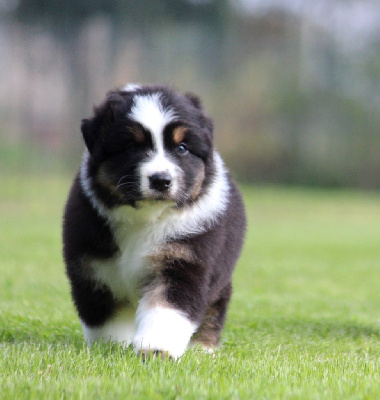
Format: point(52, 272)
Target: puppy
point(153, 224)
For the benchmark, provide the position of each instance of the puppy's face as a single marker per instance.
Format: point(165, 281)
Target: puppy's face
point(148, 144)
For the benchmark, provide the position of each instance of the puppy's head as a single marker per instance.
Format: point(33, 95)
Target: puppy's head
point(148, 143)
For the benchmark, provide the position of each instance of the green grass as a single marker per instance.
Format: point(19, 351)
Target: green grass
point(303, 322)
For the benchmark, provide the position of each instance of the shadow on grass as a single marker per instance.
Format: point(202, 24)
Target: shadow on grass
point(19, 330)
point(54, 334)
point(35, 332)
point(323, 329)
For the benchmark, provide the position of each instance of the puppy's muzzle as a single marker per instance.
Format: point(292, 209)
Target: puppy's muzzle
point(160, 181)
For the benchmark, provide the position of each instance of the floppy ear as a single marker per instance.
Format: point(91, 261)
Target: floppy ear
point(195, 100)
point(104, 115)
point(209, 125)
point(205, 121)
point(88, 134)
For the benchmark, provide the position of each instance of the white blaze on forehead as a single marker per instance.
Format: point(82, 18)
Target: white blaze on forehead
point(149, 112)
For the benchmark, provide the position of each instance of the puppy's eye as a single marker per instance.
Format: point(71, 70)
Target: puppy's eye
point(182, 148)
point(131, 147)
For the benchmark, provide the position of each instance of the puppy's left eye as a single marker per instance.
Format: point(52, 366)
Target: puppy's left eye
point(132, 147)
point(182, 148)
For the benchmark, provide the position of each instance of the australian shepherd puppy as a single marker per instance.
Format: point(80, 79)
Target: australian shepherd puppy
point(153, 225)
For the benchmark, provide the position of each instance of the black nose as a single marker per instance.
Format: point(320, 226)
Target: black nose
point(160, 181)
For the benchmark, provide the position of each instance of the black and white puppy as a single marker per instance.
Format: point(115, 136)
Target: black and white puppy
point(153, 225)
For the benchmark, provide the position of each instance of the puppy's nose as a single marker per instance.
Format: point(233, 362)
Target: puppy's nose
point(160, 181)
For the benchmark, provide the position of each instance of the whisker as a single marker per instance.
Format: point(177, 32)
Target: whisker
point(182, 200)
point(124, 177)
point(126, 184)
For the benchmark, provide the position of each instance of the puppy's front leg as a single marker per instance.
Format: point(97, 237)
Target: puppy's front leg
point(162, 328)
point(172, 307)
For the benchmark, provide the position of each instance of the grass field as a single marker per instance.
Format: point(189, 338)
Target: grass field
point(303, 322)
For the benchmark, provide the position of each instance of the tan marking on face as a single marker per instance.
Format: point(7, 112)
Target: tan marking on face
point(195, 192)
point(138, 134)
point(104, 179)
point(179, 134)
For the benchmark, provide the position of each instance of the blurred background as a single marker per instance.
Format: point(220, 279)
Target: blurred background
point(292, 85)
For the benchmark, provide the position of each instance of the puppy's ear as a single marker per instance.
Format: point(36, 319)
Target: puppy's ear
point(195, 100)
point(104, 116)
point(205, 121)
point(88, 135)
point(209, 126)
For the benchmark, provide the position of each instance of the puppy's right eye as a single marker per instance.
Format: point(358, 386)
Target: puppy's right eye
point(132, 147)
point(182, 148)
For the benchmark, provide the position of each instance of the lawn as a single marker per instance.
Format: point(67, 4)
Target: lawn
point(303, 322)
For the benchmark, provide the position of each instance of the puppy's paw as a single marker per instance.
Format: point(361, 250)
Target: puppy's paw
point(157, 347)
point(204, 348)
point(148, 354)
point(163, 330)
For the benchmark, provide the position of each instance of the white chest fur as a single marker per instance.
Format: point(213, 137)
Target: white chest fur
point(123, 272)
point(138, 234)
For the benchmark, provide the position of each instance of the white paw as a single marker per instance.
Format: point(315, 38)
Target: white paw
point(162, 330)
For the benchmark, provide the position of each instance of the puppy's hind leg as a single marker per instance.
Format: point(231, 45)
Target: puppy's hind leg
point(208, 334)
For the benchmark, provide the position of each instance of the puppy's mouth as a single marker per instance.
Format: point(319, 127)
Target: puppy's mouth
point(159, 196)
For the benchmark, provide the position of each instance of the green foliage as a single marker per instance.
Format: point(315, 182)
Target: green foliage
point(132, 13)
point(303, 323)
point(292, 104)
